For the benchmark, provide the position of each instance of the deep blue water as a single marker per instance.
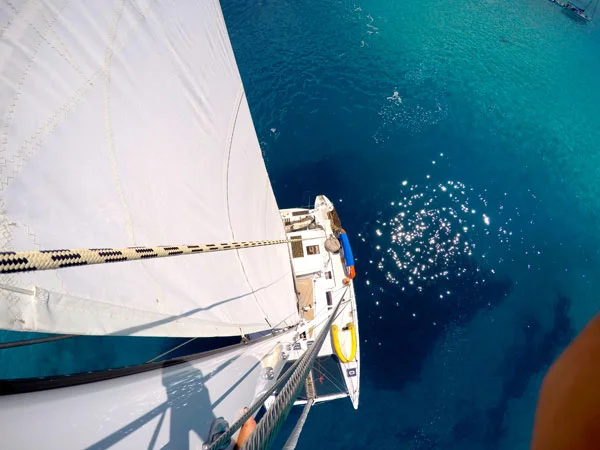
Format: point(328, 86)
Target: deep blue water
point(460, 143)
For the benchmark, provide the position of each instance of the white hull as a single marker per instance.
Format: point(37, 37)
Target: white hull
point(319, 272)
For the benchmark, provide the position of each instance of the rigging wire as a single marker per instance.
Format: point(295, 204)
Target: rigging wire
point(312, 325)
point(171, 350)
point(266, 430)
point(13, 262)
point(297, 369)
point(329, 376)
point(25, 261)
point(25, 342)
point(292, 440)
point(282, 321)
point(194, 338)
point(35, 341)
point(345, 303)
point(252, 409)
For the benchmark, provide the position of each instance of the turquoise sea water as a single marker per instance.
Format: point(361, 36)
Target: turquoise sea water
point(460, 141)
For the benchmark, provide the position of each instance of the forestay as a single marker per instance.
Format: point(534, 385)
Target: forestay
point(126, 124)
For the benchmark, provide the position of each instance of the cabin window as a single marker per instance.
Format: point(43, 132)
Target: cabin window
point(329, 298)
point(287, 221)
point(328, 275)
point(297, 248)
point(312, 249)
point(302, 212)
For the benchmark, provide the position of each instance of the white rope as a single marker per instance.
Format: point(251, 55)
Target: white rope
point(32, 260)
point(11, 262)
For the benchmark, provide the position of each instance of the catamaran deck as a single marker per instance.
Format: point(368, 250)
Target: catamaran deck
point(323, 280)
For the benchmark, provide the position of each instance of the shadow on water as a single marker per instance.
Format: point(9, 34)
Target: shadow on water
point(534, 353)
point(525, 360)
point(418, 439)
point(409, 325)
point(301, 184)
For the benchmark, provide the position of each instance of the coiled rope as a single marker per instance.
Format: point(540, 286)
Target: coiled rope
point(11, 262)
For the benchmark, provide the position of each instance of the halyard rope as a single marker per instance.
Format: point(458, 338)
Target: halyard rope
point(11, 262)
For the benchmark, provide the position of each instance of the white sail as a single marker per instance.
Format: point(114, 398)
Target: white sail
point(125, 123)
point(172, 407)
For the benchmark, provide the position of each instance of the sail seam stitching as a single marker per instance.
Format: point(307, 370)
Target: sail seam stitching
point(239, 99)
point(10, 114)
point(51, 124)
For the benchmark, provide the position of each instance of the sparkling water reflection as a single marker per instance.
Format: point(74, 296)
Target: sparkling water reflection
point(431, 227)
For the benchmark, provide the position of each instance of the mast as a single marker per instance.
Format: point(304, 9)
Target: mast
point(292, 440)
point(270, 424)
